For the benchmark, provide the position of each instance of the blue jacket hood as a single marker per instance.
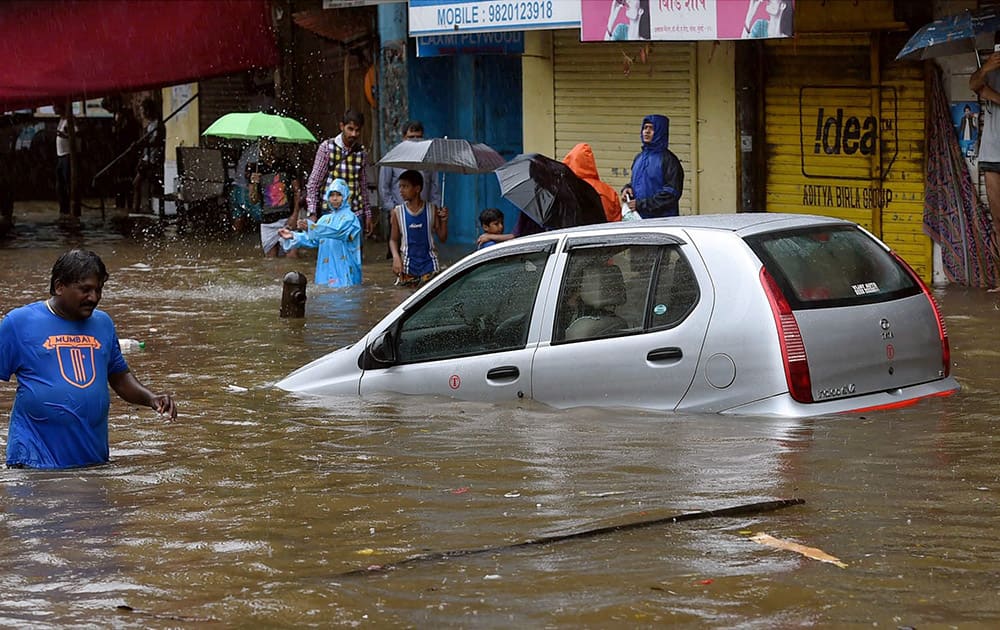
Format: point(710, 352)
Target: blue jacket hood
point(340, 186)
point(661, 133)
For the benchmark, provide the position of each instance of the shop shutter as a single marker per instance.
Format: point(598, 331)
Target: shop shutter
point(598, 102)
point(844, 144)
point(903, 217)
point(220, 96)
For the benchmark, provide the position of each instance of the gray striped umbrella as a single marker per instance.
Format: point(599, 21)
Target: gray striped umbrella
point(446, 155)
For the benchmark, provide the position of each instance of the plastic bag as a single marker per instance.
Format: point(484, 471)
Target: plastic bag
point(629, 215)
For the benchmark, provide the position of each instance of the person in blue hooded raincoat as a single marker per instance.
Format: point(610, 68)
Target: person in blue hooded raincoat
point(657, 174)
point(337, 234)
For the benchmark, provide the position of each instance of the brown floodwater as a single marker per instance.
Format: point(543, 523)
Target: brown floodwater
point(255, 506)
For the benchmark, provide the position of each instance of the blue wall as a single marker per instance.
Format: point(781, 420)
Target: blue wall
point(476, 98)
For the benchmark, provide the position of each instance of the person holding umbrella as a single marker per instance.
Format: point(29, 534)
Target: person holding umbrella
point(549, 194)
point(985, 82)
point(271, 182)
point(273, 186)
point(414, 223)
point(582, 162)
point(388, 180)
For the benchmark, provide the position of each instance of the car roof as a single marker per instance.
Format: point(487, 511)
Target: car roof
point(747, 221)
point(742, 223)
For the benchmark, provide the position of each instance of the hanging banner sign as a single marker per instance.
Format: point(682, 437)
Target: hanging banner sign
point(444, 17)
point(507, 43)
point(684, 20)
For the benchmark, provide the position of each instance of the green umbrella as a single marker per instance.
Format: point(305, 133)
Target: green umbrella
point(253, 126)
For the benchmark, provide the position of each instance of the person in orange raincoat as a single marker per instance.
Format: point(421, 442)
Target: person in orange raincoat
point(581, 161)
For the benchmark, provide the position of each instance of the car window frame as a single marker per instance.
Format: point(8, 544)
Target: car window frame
point(547, 247)
point(777, 270)
point(663, 244)
point(654, 282)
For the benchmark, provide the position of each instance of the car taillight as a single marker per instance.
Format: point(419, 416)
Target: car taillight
point(793, 349)
point(942, 329)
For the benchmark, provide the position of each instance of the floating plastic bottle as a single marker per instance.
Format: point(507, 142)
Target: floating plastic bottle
point(129, 345)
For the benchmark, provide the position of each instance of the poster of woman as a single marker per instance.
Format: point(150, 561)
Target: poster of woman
point(767, 19)
point(684, 20)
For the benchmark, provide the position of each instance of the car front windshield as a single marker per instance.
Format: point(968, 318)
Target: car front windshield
point(828, 266)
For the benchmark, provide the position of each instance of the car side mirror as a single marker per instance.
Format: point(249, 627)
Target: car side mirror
point(381, 352)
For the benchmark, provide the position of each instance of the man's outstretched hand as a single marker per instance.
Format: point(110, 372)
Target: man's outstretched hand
point(164, 404)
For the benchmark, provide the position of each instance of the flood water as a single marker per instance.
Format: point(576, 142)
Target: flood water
point(255, 506)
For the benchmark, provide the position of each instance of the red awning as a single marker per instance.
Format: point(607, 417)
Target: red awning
point(52, 50)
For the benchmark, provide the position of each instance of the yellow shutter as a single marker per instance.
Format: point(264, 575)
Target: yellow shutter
point(846, 139)
point(597, 102)
point(903, 217)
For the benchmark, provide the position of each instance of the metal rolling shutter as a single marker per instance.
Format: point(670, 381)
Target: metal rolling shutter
point(220, 96)
point(596, 102)
point(846, 140)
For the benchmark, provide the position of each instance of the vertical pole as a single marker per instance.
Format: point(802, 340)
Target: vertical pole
point(74, 184)
point(393, 96)
point(749, 115)
point(877, 173)
point(347, 80)
point(695, 171)
point(391, 79)
point(284, 75)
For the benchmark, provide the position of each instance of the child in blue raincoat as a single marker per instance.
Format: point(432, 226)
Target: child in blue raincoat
point(337, 234)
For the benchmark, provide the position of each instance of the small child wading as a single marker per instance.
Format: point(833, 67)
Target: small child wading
point(337, 234)
point(414, 223)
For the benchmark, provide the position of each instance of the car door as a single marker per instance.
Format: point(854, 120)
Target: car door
point(629, 322)
point(469, 338)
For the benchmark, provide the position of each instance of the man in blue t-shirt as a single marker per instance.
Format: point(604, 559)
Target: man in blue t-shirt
point(64, 352)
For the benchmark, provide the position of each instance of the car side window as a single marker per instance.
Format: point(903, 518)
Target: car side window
point(623, 290)
point(675, 292)
point(485, 309)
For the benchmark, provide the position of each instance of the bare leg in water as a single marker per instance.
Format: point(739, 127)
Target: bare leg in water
point(993, 196)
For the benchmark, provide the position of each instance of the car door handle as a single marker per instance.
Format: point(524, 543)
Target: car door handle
point(505, 372)
point(664, 354)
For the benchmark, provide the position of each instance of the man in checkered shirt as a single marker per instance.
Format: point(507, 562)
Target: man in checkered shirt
point(343, 157)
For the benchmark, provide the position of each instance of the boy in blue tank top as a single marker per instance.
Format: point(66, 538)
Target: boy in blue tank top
point(65, 353)
point(413, 225)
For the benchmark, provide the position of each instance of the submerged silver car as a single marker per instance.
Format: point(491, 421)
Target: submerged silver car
point(772, 314)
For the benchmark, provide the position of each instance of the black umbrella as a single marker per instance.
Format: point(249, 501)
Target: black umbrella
point(549, 192)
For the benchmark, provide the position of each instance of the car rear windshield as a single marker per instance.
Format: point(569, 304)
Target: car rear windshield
point(830, 266)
